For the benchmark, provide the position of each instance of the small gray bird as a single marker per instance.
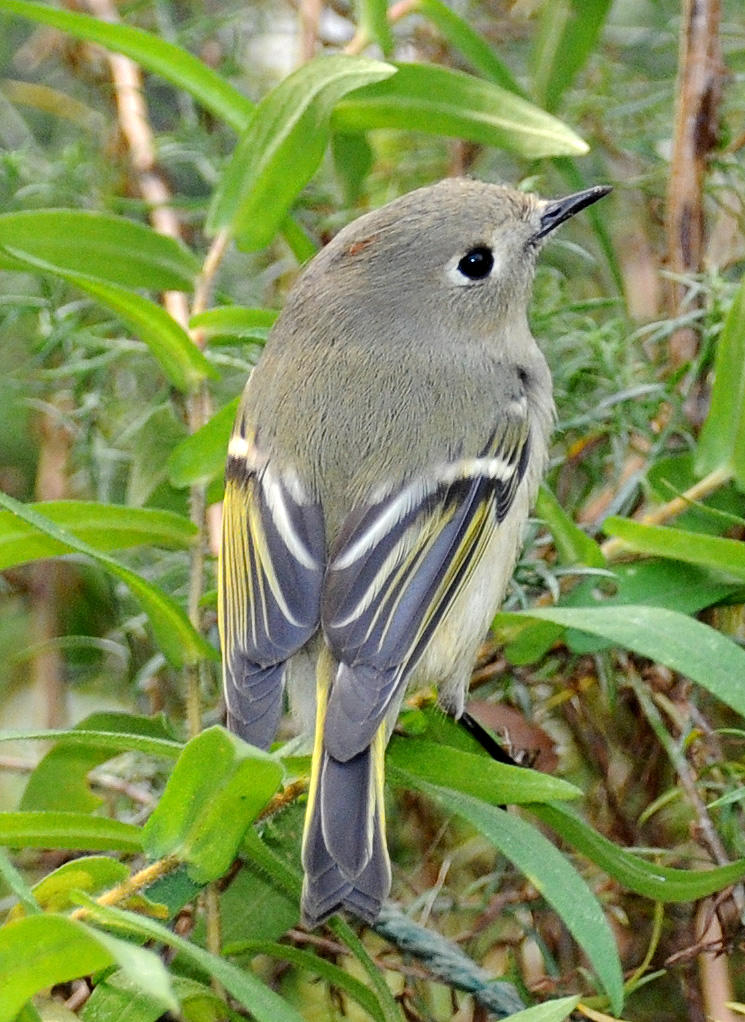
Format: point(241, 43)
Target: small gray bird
point(384, 458)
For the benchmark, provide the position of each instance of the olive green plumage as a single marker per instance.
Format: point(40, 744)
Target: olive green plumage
point(383, 461)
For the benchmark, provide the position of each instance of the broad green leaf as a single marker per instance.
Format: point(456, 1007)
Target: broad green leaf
point(253, 906)
point(471, 44)
point(722, 509)
point(201, 457)
point(721, 443)
point(549, 1011)
point(234, 321)
point(572, 544)
point(176, 636)
point(264, 1004)
point(713, 552)
point(216, 789)
point(104, 526)
point(179, 358)
point(283, 145)
point(566, 39)
point(42, 950)
point(551, 874)
point(473, 774)
point(100, 245)
point(150, 51)
point(75, 831)
point(681, 643)
point(112, 740)
point(60, 779)
point(440, 101)
point(660, 883)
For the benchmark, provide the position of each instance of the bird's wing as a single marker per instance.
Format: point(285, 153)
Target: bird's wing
point(272, 561)
point(400, 563)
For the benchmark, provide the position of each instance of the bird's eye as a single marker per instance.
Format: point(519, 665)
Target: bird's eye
point(477, 263)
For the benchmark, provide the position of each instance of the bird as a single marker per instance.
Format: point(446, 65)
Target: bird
point(385, 455)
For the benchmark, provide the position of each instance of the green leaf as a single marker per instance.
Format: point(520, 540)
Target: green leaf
point(150, 51)
point(660, 883)
point(725, 556)
point(473, 774)
point(60, 779)
point(89, 873)
point(572, 544)
point(353, 160)
point(681, 643)
point(234, 322)
point(28, 903)
point(42, 950)
point(283, 146)
point(312, 963)
point(440, 101)
point(471, 44)
point(264, 1004)
point(568, 32)
point(549, 1011)
point(201, 457)
point(77, 831)
point(373, 24)
point(112, 740)
point(104, 526)
point(216, 789)
point(551, 874)
point(179, 358)
point(176, 636)
point(721, 444)
point(100, 245)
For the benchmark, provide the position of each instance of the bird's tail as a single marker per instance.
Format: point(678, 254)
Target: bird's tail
point(345, 857)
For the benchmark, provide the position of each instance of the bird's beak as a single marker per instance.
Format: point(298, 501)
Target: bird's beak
point(556, 211)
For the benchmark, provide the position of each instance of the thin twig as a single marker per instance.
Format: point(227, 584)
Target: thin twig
point(614, 548)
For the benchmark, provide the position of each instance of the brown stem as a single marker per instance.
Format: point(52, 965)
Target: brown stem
point(696, 132)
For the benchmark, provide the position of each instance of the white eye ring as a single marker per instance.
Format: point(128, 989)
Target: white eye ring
point(454, 269)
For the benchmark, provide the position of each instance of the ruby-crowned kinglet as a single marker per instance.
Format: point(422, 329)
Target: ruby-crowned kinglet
point(384, 458)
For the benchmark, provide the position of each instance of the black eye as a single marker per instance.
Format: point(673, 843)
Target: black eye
point(477, 263)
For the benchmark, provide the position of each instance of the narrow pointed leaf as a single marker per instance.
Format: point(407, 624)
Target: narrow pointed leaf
point(473, 774)
point(373, 23)
point(568, 32)
point(179, 358)
point(660, 883)
point(714, 552)
point(217, 787)
point(75, 831)
point(234, 321)
point(680, 642)
point(264, 1004)
point(114, 741)
point(551, 874)
point(572, 544)
point(108, 247)
point(176, 65)
point(549, 1011)
point(722, 440)
point(440, 101)
point(283, 146)
point(471, 44)
point(176, 636)
point(201, 457)
point(104, 526)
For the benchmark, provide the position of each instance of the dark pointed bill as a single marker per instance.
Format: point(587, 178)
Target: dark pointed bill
point(559, 210)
